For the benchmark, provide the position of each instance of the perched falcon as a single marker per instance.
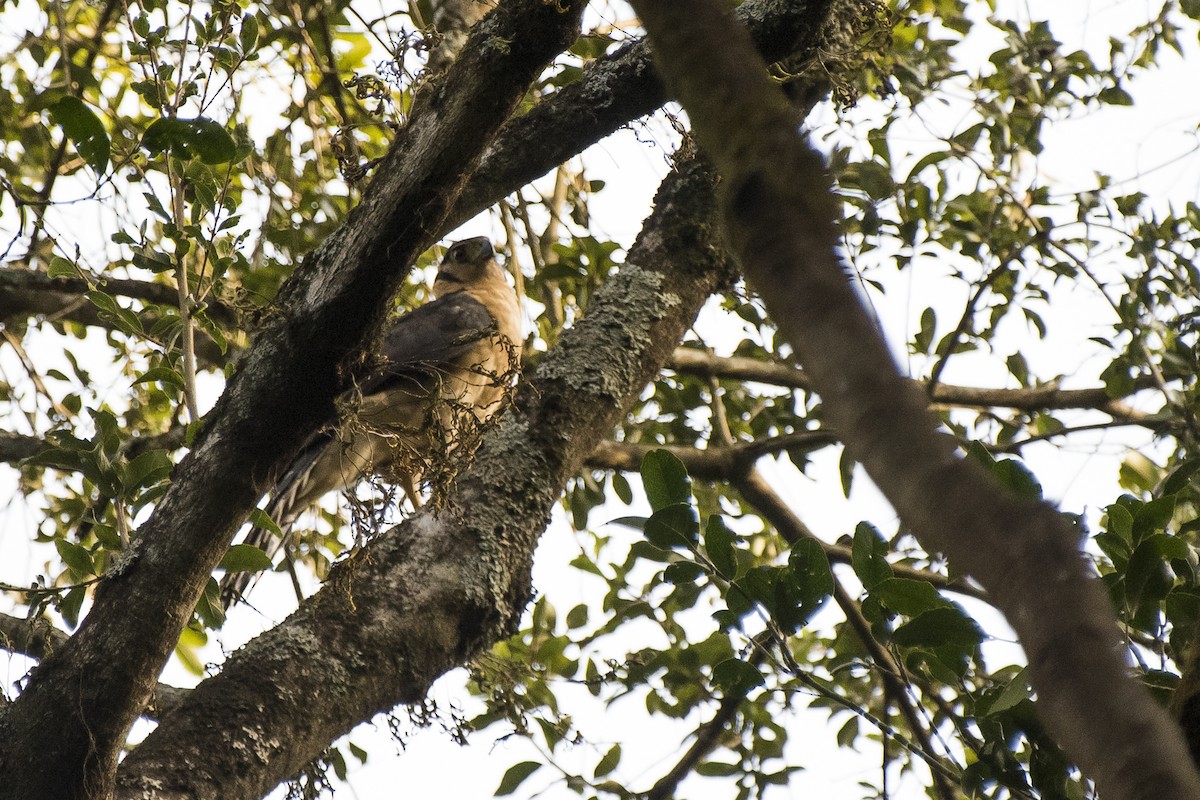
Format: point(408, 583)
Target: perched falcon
point(441, 371)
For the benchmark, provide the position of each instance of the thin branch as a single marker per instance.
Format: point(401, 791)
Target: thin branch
point(716, 463)
point(14, 342)
point(777, 373)
point(960, 330)
point(708, 737)
point(894, 675)
point(780, 214)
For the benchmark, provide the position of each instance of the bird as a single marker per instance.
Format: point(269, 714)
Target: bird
point(441, 372)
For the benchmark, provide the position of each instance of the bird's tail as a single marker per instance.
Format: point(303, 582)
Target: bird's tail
point(235, 584)
point(287, 503)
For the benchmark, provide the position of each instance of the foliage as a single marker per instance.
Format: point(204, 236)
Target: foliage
point(214, 145)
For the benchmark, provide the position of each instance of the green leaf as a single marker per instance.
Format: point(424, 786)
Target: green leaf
point(61, 268)
point(810, 565)
point(848, 733)
point(718, 543)
point(683, 572)
point(673, 526)
point(923, 338)
point(71, 603)
point(245, 558)
point(261, 519)
point(665, 479)
point(929, 159)
point(736, 677)
point(248, 35)
point(110, 310)
point(846, 471)
point(718, 769)
point(1153, 517)
point(1115, 96)
point(1016, 476)
point(209, 607)
point(609, 762)
point(85, 130)
point(1120, 521)
point(190, 138)
point(147, 468)
point(908, 597)
point(165, 375)
point(621, 486)
point(1015, 691)
point(1148, 576)
point(75, 556)
point(938, 627)
point(577, 617)
point(868, 555)
point(1180, 477)
point(515, 776)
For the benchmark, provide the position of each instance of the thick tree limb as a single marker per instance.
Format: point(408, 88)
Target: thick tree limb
point(613, 91)
point(780, 214)
point(443, 585)
point(62, 735)
point(38, 638)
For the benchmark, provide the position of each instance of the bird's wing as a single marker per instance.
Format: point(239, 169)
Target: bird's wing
point(413, 353)
point(423, 343)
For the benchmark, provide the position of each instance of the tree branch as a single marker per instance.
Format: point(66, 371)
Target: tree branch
point(708, 737)
point(446, 583)
point(37, 638)
point(612, 91)
point(691, 361)
point(712, 464)
point(771, 506)
point(780, 213)
point(83, 698)
point(25, 293)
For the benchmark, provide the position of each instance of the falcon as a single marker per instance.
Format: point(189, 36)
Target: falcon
point(441, 372)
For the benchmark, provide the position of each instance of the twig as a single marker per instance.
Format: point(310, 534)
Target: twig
point(18, 347)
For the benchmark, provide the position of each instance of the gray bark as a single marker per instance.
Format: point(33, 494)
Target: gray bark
point(779, 211)
point(428, 595)
point(61, 737)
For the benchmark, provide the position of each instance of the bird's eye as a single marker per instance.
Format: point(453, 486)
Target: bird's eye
point(455, 254)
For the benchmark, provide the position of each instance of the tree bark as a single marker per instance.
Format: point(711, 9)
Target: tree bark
point(62, 735)
point(445, 584)
point(779, 213)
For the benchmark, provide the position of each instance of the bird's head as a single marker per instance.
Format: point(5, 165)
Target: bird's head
point(465, 263)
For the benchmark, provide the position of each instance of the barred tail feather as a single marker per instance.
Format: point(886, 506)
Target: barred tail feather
point(292, 495)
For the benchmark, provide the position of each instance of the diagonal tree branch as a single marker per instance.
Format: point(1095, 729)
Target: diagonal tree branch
point(613, 91)
point(894, 676)
point(37, 638)
point(446, 583)
point(780, 213)
point(84, 697)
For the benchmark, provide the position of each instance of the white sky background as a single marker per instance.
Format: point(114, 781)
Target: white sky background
point(1144, 141)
